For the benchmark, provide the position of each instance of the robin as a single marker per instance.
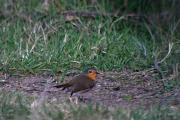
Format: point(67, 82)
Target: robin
point(84, 81)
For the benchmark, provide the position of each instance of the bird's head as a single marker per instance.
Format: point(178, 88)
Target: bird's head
point(91, 73)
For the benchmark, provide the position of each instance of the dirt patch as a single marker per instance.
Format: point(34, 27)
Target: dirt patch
point(125, 89)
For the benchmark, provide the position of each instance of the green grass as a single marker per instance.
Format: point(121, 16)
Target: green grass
point(50, 43)
point(15, 106)
point(68, 47)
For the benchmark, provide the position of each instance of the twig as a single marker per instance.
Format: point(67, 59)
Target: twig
point(167, 55)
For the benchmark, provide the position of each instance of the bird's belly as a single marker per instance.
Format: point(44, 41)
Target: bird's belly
point(79, 87)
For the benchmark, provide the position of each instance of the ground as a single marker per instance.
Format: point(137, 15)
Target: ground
point(124, 40)
point(119, 89)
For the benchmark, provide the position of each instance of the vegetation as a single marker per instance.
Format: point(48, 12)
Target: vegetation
point(59, 35)
point(16, 106)
point(33, 39)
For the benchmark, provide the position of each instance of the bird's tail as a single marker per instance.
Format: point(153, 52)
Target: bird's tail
point(65, 85)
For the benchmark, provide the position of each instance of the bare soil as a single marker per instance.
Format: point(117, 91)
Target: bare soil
point(125, 89)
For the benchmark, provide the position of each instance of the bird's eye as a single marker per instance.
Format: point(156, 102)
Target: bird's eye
point(90, 71)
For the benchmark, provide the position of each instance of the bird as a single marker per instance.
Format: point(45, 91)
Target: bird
point(84, 81)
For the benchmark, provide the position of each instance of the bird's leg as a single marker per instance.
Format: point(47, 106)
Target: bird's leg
point(72, 93)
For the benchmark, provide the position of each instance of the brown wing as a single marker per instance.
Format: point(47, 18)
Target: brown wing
point(82, 83)
point(78, 83)
point(76, 80)
point(64, 86)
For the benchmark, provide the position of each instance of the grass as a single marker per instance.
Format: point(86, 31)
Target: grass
point(52, 43)
point(68, 47)
point(18, 106)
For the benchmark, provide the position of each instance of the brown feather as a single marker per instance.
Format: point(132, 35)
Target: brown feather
point(64, 86)
point(80, 82)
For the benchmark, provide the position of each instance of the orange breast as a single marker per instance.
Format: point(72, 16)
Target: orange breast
point(92, 76)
